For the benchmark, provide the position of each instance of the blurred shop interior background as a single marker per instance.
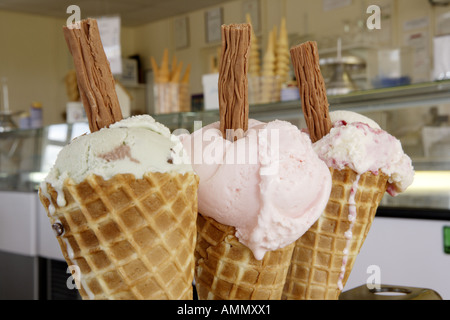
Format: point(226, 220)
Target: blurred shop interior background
point(387, 59)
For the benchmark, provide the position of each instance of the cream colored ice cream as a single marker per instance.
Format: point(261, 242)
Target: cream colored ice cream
point(350, 117)
point(269, 185)
point(114, 198)
point(122, 200)
point(358, 143)
point(135, 145)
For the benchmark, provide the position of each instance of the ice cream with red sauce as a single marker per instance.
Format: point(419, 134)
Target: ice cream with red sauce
point(364, 162)
point(359, 143)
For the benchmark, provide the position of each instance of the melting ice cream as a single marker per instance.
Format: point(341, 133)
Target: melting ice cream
point(358, 143)
point(272, 188)
point(135, 145)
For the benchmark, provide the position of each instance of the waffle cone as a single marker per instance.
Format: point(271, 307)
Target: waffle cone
point(130, 238)
point(227, 270)
point(318, 257)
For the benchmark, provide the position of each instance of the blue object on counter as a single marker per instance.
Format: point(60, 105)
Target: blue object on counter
point(36, 115)
point(391, 82)
point(289, 94)
point(24, 121)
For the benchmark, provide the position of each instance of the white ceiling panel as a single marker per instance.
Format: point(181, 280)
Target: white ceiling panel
point(133, 12)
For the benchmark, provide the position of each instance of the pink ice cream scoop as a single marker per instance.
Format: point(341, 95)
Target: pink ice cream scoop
point(270, 185)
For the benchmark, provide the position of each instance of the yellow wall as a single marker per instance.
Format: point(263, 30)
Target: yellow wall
point(34, 55)
point(33, 58)
point(306, 18)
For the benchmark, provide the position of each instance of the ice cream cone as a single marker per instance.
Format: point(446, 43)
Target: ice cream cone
point(227, 270)
point(164, 71)
point(254, 67)
point(324, 256)
point(130, 238)
point(249, 218)
point(282, 54)
point(73, 93)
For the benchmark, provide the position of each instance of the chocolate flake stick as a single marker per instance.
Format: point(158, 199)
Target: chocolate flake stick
point(233, 83)
point(95, 80)
point(305, 58)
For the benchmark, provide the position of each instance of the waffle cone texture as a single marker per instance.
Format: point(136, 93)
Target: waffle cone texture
point(227, 270)
point(130, 238)
point(318, 256)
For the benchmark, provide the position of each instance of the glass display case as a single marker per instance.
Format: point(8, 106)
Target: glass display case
point(418, 115)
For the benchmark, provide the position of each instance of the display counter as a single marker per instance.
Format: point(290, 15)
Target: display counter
point(418, 115)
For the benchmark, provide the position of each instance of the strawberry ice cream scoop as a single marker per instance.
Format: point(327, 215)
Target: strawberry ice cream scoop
point(270, 185)
point(358, 143)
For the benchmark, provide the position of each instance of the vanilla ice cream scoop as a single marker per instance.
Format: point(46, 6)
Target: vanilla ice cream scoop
point(132, 146)
point(358, 142)
point(269, 185)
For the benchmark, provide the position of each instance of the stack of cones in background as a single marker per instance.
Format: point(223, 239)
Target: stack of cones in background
point(183, 90)
point(254, 68)
point(268, 80)
point(254, 62)
point(171, 91)
point(70, 80)
point(267, 77)
point(283, 58)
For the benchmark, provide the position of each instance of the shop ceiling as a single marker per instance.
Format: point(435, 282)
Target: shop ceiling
point(132, 12)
